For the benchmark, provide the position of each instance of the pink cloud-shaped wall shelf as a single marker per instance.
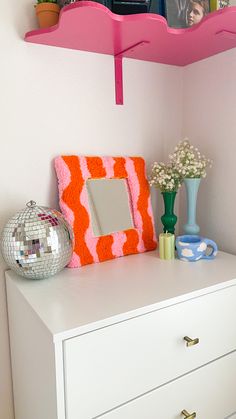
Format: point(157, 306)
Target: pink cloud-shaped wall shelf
point(90, 26)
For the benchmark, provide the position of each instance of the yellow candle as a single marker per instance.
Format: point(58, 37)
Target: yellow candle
point(167, 246)
point(173, 246)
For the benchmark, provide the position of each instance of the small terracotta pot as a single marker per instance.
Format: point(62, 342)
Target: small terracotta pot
point(47, 14)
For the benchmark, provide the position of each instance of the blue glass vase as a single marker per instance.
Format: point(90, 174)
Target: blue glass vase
point(191, 185)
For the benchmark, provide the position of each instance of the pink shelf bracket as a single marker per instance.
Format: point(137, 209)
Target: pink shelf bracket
point(227, 34)
point(119, 71)
point(119, 80)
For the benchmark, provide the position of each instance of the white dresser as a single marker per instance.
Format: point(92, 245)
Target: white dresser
point(132, 338)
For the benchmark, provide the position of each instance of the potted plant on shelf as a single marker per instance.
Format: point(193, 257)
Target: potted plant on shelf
point(47, 12)
point(167, 179)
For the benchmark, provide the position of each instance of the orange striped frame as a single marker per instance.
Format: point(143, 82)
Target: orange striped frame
point(72, 173)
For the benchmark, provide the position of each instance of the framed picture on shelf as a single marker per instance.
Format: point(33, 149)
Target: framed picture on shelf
point(127, 7)
point(218, 4)
point(158, 7)
point(63, 3)
point(185, 13)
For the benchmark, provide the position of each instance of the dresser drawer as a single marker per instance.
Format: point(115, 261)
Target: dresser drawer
point(112, 365)
point(210, 392)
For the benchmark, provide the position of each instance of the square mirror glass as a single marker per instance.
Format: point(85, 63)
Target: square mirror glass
point(109, 206)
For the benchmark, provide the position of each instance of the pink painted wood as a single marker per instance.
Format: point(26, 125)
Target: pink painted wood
point(119, 72)
point(119, 80)
point(90, 26)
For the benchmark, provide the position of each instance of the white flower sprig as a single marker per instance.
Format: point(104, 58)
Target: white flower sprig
point(165, 177)
point(188, 161)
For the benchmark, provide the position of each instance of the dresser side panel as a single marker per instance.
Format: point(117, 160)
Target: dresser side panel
point(33, 360)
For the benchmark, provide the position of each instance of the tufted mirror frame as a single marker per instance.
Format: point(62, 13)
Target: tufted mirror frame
point(72, 173)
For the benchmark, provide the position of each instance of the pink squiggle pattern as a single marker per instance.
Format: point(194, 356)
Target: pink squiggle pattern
point(134, 187)
point(116, 248)
point(119, 238)
point(90, 239)
point(75, 261)
point(108, 164)
point(130, 205)
point(64, 175)
point(84, 168)
point(150, 213)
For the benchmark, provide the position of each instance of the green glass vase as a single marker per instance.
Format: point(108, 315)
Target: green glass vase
point(169, 219)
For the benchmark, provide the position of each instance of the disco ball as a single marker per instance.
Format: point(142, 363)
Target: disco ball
point(37, 242)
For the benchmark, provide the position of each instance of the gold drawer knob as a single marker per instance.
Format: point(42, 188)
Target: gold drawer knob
point(191, 342)
point(188, 415)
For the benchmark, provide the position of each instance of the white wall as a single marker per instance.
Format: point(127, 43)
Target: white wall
point(209, 114)
point(57, 101)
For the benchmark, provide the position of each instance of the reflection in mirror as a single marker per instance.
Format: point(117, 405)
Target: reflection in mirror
point(109, 206)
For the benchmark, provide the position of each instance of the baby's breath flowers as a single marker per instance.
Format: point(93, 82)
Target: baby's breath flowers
point(185, 162)
point(165, 177)
point(188, 161)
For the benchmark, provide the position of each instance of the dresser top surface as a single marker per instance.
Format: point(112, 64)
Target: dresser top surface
point(80, 300)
